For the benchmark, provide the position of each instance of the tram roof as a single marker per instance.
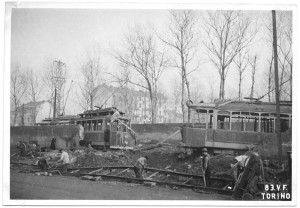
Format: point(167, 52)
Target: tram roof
point(101, 112)
point(245, 106)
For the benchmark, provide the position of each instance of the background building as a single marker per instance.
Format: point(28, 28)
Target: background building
point(135, 103)
point(25, 114)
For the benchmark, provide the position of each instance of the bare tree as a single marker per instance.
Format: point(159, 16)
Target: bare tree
point(142, 57)
point(241, 62)
point(269, 78)
point(18, 87)
point(211, 93)
point(92, 79)
point(34, 90)
point(129, 101)
point(175, 98)
point(253, 64)
point(228, 33)
point(183, 39)
point(285, 55)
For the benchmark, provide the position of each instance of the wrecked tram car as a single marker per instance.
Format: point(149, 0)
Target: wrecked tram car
point(234, 126)
point(107, 128)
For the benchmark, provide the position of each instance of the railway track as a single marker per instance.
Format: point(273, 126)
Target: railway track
point(152, 176)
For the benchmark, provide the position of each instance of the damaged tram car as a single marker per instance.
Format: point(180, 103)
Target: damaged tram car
point(106, 128)
point(234, 126)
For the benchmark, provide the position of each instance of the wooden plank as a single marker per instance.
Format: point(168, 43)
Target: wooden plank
point(154, 174)
point(75, 171)
point(122, 171)
point(95, 171)
point(188, 180)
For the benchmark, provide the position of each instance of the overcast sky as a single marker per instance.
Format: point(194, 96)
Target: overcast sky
point(39, 36)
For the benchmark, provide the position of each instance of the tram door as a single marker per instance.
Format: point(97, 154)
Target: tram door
point(106, 132)
point(113, 133)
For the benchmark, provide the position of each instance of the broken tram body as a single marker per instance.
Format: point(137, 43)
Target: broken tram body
point(233, 126)
point(107, 127)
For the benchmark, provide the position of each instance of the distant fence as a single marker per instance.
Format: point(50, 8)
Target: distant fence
point(66, 136)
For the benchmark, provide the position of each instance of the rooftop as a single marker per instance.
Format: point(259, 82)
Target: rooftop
point(246, 106)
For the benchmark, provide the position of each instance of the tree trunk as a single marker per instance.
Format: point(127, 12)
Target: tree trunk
point(34, 111)
point(222, 85)
point(189, 98)
point(240, 85)
point(23, 115)
point(92, 102)
point(291, 83)
point(270, 80)
point(253, 77)
point(16, 114)
point(182, 86)
point(152, 100)
point(182, 100)
point(252, 87)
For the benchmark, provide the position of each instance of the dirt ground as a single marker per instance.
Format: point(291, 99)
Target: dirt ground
point(168, 157)
point(28, 186)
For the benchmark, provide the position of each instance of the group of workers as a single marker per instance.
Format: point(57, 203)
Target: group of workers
point(140, 164)
point(237, 165)
point(45, 162)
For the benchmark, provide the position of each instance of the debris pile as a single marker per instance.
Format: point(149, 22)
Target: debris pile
point(220, 164)
point(96, 159)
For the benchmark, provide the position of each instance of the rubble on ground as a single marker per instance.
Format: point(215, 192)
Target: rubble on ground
point(161, 157)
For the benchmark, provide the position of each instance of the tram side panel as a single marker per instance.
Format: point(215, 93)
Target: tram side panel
point(95, 138)
point(235, 140)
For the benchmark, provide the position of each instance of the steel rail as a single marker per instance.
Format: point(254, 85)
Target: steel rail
point(154, 170)
point(221, 191)
point(146, 169)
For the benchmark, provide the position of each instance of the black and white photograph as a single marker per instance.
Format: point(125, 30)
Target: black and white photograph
point(171, 104)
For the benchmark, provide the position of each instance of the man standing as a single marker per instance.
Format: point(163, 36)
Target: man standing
point(238, 165)
point(65, 160)
point(139, 167)
point(206, 166)
point(53, 144)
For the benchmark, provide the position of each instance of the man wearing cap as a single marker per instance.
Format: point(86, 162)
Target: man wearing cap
point(65, 160)
point(206, 166)
point(139, 166)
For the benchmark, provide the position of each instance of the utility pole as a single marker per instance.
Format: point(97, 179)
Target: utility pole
point(278, 123)
point(54, 104)
point(58, 80)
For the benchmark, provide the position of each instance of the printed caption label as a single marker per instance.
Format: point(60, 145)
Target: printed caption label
point(276, 192)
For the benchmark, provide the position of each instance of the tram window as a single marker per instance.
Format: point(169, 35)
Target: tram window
point(95, 125)
point(90, 125)
point(99, 125)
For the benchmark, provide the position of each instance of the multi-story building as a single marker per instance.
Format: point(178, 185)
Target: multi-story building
point(136, 104)
point(25, 113)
